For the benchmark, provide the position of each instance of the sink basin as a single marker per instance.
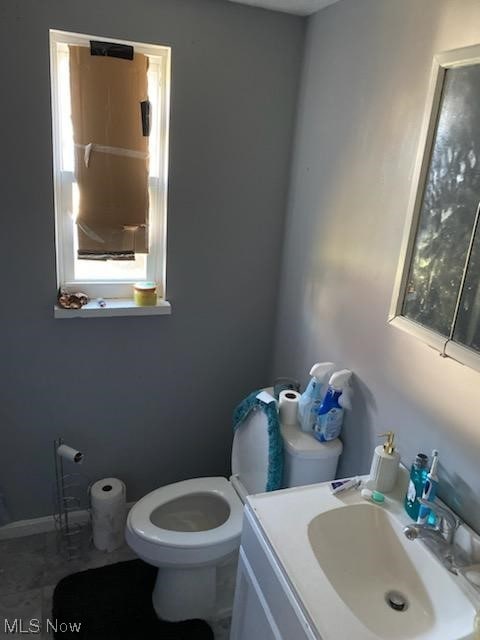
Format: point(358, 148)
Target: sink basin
point(355, 575)
point(394, 587)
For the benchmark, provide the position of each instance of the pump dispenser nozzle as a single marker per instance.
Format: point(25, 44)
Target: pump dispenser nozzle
point(388, 445)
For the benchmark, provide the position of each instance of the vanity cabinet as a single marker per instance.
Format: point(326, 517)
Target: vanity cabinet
point(265, 607)
point(314, 565)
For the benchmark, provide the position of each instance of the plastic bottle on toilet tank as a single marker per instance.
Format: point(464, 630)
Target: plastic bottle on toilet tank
point(312, 396)
point(329, 416)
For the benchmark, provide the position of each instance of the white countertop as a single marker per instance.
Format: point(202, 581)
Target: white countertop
point(284, 517)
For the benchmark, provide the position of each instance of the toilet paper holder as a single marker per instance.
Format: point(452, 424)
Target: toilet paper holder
point(70, 502)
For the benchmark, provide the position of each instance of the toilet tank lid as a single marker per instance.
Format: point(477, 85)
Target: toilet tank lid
point(303, 445)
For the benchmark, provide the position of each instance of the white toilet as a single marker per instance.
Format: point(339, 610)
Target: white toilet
point(191, 530)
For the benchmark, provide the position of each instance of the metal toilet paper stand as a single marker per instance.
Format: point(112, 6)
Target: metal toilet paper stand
point(70, 496)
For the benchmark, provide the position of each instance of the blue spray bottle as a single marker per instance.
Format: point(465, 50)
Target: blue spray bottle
point(430, 490)
point(313, 394)
point(329, 418)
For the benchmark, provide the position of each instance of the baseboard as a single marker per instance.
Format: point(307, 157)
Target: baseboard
point(44, 524)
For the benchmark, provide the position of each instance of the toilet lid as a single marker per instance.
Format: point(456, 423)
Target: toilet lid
point(250, 452)
point(140, 514)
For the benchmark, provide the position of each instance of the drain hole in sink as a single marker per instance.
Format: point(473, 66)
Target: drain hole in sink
point(396, 601)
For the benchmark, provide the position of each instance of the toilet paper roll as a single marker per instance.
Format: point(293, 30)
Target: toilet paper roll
point(288, 406)
point(64, 451)
point(108, 504)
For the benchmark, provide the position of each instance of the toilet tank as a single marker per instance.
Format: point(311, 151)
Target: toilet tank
point(307, 461)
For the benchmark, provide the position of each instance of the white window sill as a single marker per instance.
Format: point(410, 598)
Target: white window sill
point(446, 348)
point(433, 339)
point(115, 307)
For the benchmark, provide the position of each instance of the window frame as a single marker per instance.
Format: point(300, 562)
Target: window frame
point(63, 181)
point(444, 345)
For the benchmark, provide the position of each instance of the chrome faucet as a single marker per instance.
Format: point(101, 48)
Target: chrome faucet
point(444, 530)
point(442, 534)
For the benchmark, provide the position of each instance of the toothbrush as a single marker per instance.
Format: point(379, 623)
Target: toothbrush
point(429, 490)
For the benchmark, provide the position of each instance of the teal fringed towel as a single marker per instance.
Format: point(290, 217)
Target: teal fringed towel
point(275, 442)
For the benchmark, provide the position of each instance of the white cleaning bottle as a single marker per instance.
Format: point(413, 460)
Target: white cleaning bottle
point(329, 415)
point(312, 396)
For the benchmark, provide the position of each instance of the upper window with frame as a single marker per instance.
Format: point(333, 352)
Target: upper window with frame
point(437, 293)
point(110, 115)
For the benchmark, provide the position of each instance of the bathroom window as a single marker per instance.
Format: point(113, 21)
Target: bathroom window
point(110, 112)
point(438, 288)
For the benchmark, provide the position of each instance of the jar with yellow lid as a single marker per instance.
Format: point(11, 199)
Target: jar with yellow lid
point(145, 294)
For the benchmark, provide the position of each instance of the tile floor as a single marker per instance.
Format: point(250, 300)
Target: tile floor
point(31, 566)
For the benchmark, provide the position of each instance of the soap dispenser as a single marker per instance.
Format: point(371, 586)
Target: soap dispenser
point(385, 463)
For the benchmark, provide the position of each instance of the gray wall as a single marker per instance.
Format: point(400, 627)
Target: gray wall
point(148, 399)
point(365, 78)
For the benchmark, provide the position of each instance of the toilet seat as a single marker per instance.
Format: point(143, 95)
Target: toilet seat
point(139, 517)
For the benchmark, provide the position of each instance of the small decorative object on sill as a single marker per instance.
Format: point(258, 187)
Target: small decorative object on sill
point(145, 294)
point(71, 300)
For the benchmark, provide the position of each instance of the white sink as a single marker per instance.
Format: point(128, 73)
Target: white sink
point(393, 586)
point(349, 564)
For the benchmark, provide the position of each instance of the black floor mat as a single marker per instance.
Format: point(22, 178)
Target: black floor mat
point(115, 602)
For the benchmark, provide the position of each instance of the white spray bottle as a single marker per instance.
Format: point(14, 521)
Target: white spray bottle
point(329, 415)
point(312, 396)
